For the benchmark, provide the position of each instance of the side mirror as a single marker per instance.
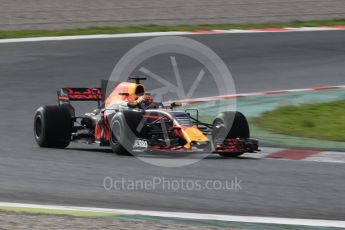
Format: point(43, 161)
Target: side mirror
point(175, 104)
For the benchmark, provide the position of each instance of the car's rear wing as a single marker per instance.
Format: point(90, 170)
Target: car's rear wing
point(66, 95)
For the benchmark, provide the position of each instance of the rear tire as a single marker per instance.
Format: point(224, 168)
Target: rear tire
point(53, 126)
point(230, 124)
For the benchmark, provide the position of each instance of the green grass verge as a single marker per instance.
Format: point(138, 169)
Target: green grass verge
point(157, 28)
point(56, 212)
point(161, 220)
point(325, 121)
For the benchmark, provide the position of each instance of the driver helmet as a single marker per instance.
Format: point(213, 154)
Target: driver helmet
point(145, 102)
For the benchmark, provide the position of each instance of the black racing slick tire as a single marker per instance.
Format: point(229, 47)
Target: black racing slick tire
point(120, 135)
point(230, 124)
point(53, 126)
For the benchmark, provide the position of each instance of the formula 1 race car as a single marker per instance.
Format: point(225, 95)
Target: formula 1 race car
point(130, 122)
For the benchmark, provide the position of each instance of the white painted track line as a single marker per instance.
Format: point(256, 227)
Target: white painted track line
point(149, 34)
point(205, 99)
point(83, 37)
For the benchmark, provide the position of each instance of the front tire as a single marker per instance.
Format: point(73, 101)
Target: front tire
point(230, 124)
point(119, 135)
point(53, 126)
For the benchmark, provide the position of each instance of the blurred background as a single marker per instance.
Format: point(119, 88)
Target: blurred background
point(51, 14)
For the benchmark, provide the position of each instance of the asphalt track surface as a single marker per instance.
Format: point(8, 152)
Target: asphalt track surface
point(31, 72)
